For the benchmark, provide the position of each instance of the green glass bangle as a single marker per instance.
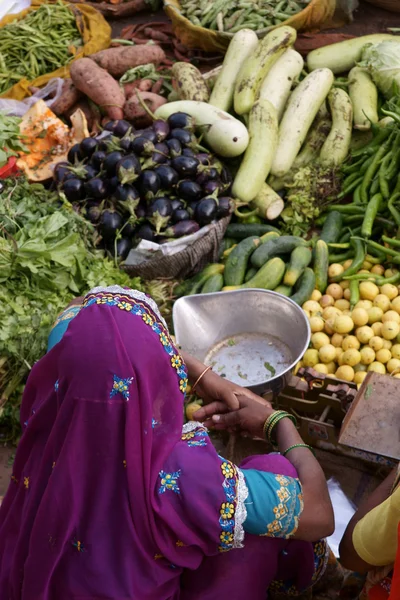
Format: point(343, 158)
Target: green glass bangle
point(269, 423)
point(298, 446)
point(285, 415)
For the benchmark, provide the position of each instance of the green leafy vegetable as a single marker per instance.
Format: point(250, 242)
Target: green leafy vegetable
point(270, 368)
point(10, 138)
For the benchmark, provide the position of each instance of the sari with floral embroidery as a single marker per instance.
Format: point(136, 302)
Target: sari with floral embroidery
point(113, 498)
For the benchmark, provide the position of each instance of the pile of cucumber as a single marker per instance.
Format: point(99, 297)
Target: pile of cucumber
point(257, 256)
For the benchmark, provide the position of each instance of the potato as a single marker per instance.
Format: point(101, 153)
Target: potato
point(359, 316)
point(368, 290)
point(367, 355)
point(316, 324)
point(334, 270)
point(390, 329)
point(312, 307)
point(383, 356)
point(343, 324)
point(310, 358)
point(382, 302)
point(392, 365)
point(367, 304)
point(321, 368)
point(350, 341)
point(327, 353)
point(375, 315)
point(359, 377)
point(337, 340)
point(351, 357)
point(335, 291)
point(345, 372)
point(377, 328)
point(342, 304)
point(390, 291)
point(377, 367)
point(376, 343)
point(395, 350)
point(364, 334)
point(319, 339)
point(326, 301)
point(316, 295)
point(391, 315)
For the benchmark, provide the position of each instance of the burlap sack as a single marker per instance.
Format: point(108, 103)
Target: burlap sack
point(183, 264)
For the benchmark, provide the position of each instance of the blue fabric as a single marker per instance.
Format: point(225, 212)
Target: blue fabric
point(61, 326)
point(274, 504)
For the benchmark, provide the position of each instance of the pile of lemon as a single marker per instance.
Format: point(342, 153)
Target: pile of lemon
point(348, 342)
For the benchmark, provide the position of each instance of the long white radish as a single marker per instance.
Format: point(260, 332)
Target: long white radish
point(257, 65)
point(279, 79)
point(242, 45)
point(268, 203)
point(364, 98)
point(315, 139)
point(337, 144)
point(257, 160)
point(343, 56)
point(225, 135)
point(300, 112)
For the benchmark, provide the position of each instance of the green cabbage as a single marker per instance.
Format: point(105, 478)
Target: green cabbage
point(383, 63)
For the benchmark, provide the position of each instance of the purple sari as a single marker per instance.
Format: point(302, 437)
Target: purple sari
point(111, 497)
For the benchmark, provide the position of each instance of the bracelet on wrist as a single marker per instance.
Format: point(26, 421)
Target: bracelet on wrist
point(273, 420)
point(196, 383)
point(298, 446)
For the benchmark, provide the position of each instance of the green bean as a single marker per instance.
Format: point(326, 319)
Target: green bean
point(372, 169)
point(374, 189)
point(350, 187)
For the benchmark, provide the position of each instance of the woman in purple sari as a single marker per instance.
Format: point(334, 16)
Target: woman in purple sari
point(113, 498)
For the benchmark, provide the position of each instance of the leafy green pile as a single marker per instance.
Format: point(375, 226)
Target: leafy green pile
point(47, 257)
point(10, 138)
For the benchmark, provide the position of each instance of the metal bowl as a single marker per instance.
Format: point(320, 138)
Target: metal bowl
point(252, 337)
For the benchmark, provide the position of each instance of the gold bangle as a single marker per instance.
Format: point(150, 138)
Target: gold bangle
point(200, 378)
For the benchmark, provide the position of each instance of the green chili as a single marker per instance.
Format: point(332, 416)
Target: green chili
point(350, 187)
point(372, 169)
point(354, 293)
point(359, 257)
point(347, 209)
point(393, 210)
point(339, 258)
point(370, 213)
point(357, 195)
point(391, 241)
point(372, 145)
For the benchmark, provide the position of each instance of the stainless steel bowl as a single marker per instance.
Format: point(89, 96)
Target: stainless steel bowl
point(253, 337)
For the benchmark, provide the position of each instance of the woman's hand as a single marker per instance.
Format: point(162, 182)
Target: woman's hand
point(213, 388)
point(250, 417)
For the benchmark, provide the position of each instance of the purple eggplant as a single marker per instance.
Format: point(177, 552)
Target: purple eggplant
point(141, 146)
point(88, 146)
point(74, 190)
point(206, 210)
point(161, 153)
point(110, 223)
point(185, 166)
point(141, 210)
point(125, 192)
point(189, 190)
point(161, 129)
point(191, 207)
point(111, 161)
point(183, 136)
point(113, 183)
point(149, 184)
point(118, 128)
point(90, 171)
point(98, 158)
point(213, 185)
point(168, 176)
point(75, 155)
point(128, 169)
point(203, 158)
point(93, 213)
point(120, 248)
point(182, 121)
point(159, 213)
point(189, 152)
point(226, 177)
point(175, 148)
point(146, 232)
point(181, 214)
point(225, 206)
point(96, 188)
point(150, 135)
point(125, 144)
point(182, 228)
point(177, 204)
point(62, 172)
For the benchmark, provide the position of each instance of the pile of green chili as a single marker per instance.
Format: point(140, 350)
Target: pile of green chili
point(40, 43)
point(232, 15)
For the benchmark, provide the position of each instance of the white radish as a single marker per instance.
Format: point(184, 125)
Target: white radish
point(300, 112)
point(242, 45)
point(337, 145)
point(268, 203)
point(256, 163)
point(225, 135)
point(364, 97)
point(279, 79)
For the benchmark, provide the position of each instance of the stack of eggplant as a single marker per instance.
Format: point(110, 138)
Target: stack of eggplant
point(155, 184)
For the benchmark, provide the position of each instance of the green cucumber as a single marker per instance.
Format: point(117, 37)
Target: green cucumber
point(240, 231)
point(269, 236)
point(332, 227)
point(321, 265)
point(215, 283)
point(250, 274)
point(268, 277)
point(305, 287)
point(285, 290)
point(299, 260)
point(236, 264)
point(226, 243)
point(282, 245)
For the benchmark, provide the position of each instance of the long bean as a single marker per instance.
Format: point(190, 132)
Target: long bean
point(39, 43)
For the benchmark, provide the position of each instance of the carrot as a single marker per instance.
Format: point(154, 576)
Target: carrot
point(118, 60)
point(134, 111)
point(99, 86)
point(69, 96)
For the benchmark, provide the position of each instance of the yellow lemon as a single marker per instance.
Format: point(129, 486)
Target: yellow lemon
point(345, 372)
point(377, 367)
point(368, 290)
point(390, 329)
point(364, 334)
point(367, 355)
